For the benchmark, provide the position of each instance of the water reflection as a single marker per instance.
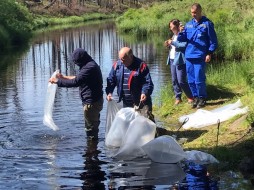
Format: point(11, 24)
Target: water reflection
point(35, 157)
point(144, 173)
point(93, 177)
point(197, 177)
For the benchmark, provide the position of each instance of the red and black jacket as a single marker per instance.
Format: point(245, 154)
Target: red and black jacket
point(139, 82)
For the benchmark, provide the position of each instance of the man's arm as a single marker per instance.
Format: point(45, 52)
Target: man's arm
point(111, 84)
point(212, 38)
point(147, 83)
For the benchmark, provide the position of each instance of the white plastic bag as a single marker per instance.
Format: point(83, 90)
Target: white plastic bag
point(119, 127)
point(49, 104)
point(202, 118)
point(112, 109)
point(140, 132)
point(164, 149)
point(200, 157)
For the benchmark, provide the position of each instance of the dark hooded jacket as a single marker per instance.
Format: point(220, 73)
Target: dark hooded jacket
point(89, 79)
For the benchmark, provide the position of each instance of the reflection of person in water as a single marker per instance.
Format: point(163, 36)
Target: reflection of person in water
point(197, 178)
point(93, 176)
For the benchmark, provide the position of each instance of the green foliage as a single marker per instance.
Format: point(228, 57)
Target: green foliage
point(15, 22)
point(233, 21)
point(5, 39)
point(43, 21)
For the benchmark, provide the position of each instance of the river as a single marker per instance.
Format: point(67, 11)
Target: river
point(35, 157)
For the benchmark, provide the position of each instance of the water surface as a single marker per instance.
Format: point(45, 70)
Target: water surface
point(35, 157)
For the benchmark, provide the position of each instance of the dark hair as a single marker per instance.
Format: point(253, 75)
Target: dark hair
point(197, 6)
point(175, 22)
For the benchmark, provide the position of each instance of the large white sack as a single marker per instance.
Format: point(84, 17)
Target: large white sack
point(112, 109)
point(164, 149)
point(119, 127)
point(200, 157)
point(202, 118)
point(49, 104)
point(141, 131)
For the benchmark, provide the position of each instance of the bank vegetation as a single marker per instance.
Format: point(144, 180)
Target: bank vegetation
point(230, 76)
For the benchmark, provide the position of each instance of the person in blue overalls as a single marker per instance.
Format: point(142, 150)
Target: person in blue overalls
point(134, 84)
point(201, 41)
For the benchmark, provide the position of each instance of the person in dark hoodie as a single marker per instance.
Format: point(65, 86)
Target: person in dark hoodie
point(90, 83)
point(134, 84)
point(201, 41)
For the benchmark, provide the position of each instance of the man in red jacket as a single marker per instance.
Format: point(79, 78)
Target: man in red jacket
point(132, 78)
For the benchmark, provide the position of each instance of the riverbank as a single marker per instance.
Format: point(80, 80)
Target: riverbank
point(231, 80)
point(229, 76)
point(18, 23)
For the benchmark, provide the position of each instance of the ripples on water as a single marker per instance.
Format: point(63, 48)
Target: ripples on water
point(35, 157)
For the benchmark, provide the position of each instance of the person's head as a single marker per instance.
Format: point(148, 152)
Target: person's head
point(80, 57)
point(174, 26)
point(196, 11)
point(126, 56)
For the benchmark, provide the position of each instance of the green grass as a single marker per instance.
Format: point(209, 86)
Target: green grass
point(226, 83)
point(234, 23)
point(230, 77)
point(42, 21)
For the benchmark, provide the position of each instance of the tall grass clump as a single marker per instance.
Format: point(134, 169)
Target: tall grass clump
point(15, 22)
point(236, 76)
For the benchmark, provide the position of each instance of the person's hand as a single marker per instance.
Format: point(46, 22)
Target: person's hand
point(53, 80)
point(109, 97)
point(167, 42)
point(59, 75)
point(142, 97)
point(181, 28)
point(208, 58)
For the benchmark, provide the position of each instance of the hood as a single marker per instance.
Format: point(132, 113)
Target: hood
point(80, 57)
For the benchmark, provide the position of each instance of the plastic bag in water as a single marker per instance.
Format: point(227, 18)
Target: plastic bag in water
point(119, 127)
point(49, 104)
point(164, 149)
point(112, 109)
point(141, 131)
point(200, 157)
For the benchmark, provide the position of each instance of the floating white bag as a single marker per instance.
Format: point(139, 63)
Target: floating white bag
point(141, 131)
point(49, 104)
point(200, 157)
point(119, 127)
point(164, 149)
point(202, 118)
point(112, 109)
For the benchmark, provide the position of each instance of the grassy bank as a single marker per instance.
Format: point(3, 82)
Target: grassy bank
point(230, 77)
point(17, 24)
point(46, 21)
point(233, 20)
